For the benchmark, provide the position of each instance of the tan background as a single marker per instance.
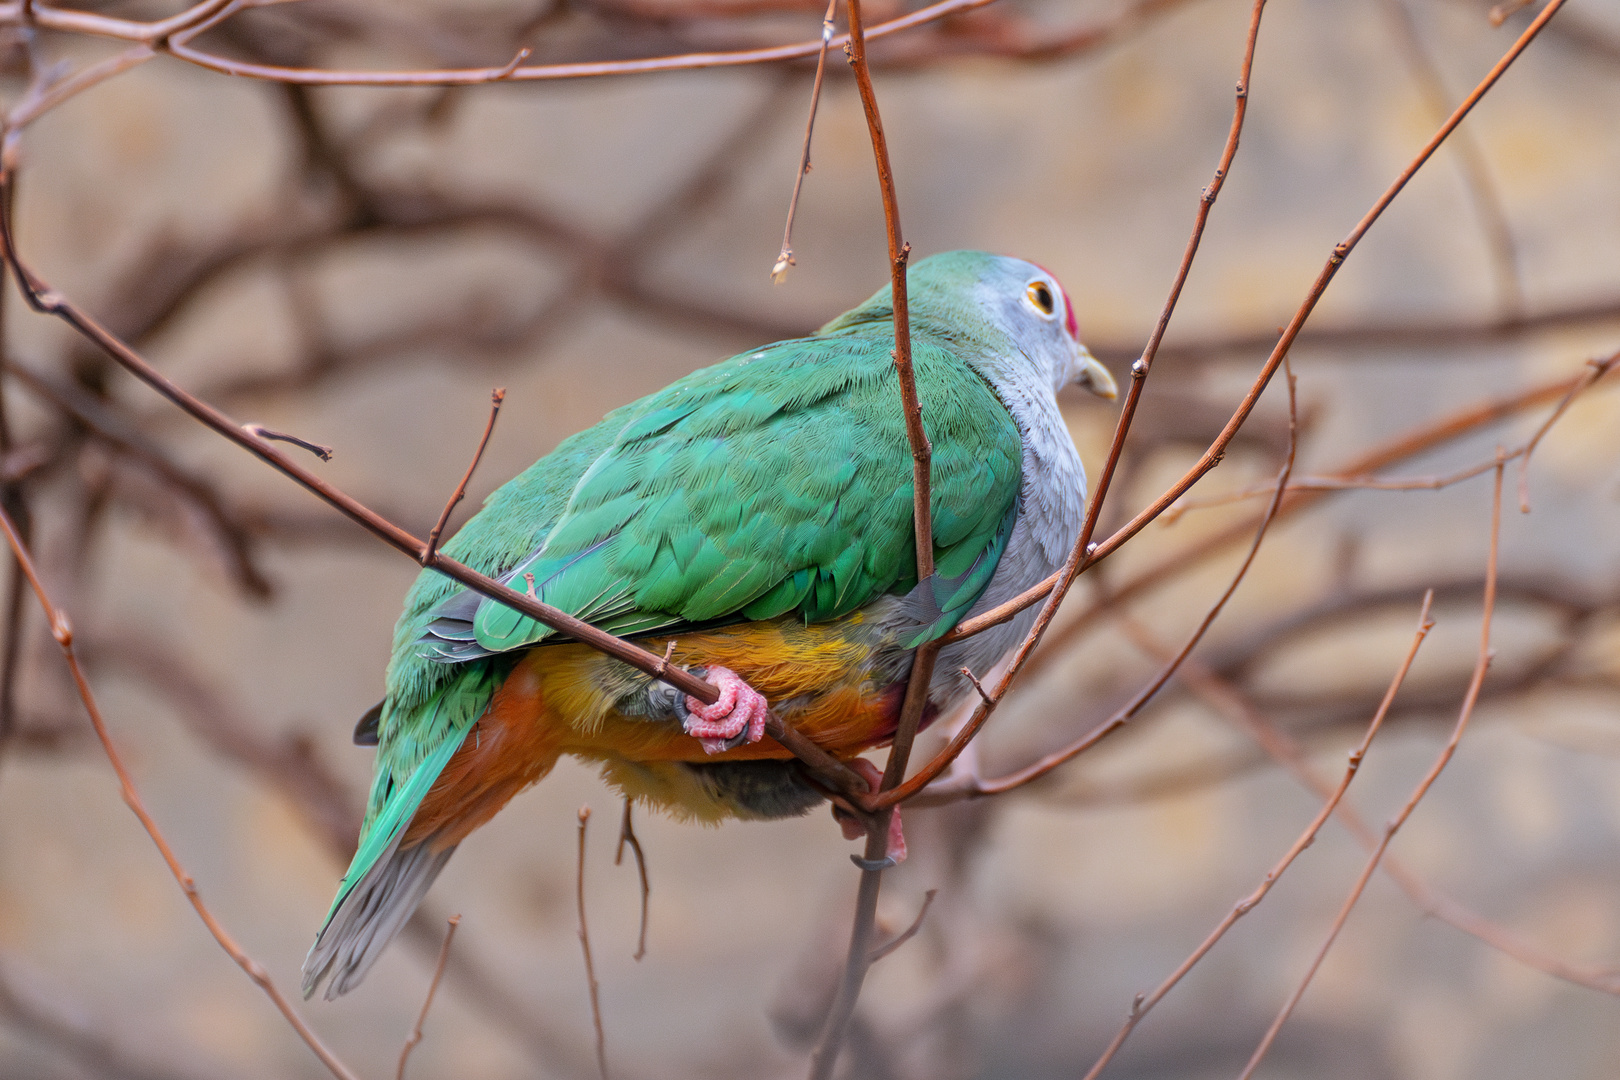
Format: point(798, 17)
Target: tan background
point(1057, 905)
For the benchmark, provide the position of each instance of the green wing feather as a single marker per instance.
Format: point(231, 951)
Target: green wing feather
point(776, 482)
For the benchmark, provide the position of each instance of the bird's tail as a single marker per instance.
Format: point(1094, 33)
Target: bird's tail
point(370, 915)
point(392, 869)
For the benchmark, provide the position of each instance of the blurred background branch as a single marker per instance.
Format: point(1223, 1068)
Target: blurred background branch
point(360, 265)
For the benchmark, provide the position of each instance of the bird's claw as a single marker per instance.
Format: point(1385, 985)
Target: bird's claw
point(854, 829)
point(874, 865)
point(737, 717)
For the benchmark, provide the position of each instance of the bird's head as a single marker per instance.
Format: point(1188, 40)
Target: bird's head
point(1020, 314)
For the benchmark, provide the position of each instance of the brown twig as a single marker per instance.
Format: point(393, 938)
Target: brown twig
point(1402, 447)
point(1124, 715)
point(1476, 171)
point(179, 44)
point(858, 959)
point(785, 258)
point(93, 414)
point(1330, 269)
point(81, 22)
point(1596, 369)
point(908, 933)
point(585, 946)
point(47, 301)
point(1143, 1004)
point(1082, 553)
point(1481, 664)
point(496, 396)
point(627, 835)
point(62, 631)
point(1286, 751)
point(427, 1003)
point(42, 98)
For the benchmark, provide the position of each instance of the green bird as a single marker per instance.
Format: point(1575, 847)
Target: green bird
point(755, 517)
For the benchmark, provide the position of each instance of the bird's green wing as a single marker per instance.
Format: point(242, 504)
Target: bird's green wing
point(777, 482)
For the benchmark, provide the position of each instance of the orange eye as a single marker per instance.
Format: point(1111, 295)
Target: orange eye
point(1041, 296)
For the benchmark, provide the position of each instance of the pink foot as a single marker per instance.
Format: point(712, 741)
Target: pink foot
point(738, 717)
point(854, 830)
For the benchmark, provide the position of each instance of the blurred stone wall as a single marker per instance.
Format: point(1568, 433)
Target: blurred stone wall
point(587, 242)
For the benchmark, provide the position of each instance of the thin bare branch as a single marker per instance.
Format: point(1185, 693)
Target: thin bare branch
point(908, 933)
point(40, 100)
point(496, 396)
point(1144, 1003)
point(1482, 664)
point(427, 1003)
point(627, 835)
point(1083, 553)
point(585, 946)
point(62, 631)
point(47, 301)
point(1330, 269)
point(858, 959)
point(785, 259)
point(180, 46)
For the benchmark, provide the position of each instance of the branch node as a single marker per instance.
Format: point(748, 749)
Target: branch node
point(431, 549)
point(320, 450)
point(513, 64)
point(977, 685)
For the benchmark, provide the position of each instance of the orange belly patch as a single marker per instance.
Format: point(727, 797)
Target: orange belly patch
point(508, 749)
point(562, 699)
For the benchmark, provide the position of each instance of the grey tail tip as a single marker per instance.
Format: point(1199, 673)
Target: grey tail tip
point(370, 916)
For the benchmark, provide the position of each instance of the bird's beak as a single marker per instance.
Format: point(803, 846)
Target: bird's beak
point(1094, 377)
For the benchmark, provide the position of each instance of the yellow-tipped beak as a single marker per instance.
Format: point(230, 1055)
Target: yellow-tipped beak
point(1094, 377)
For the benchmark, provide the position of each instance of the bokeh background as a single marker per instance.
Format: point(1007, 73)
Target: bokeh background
point(361, 266)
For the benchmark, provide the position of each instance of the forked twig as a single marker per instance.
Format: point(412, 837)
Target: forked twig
point(62, 631)
point(921, 675)
point(1596, 369)
point(41, 99)
point(179, 45)
point(47, 301)
point(585, 946)
point(496, 396)
point(1144, 1003)
point(627, 835)
point(1402, 447)
point(785, 258)
point(1341, 251)
point(1083, 553)
point(1449, 427)
point(1482, 664)
point(1232, 705)
point(908, 933)
point(427, 1003)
